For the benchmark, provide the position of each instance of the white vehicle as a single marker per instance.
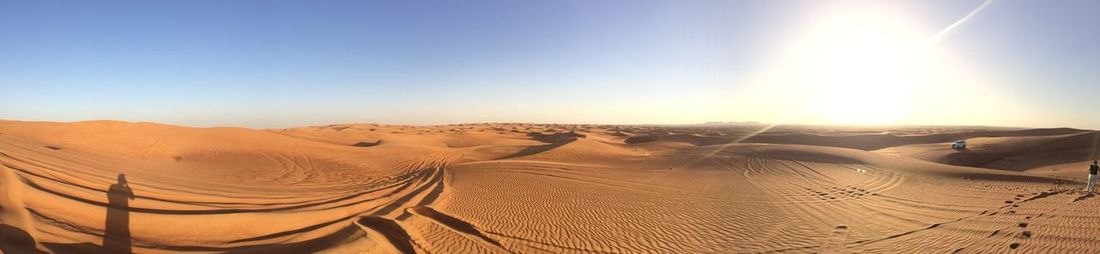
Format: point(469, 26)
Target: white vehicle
point(959, 145)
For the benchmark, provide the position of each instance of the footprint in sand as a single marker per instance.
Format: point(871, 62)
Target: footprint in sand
point(835, 243)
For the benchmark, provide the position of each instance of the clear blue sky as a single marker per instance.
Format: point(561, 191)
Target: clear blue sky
point(275, 64)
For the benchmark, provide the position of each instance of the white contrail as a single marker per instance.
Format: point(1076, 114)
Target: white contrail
point(931, 41)
point(936, 38)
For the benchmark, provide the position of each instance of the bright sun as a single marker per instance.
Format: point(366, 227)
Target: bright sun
point(861, 67)
point(865, 64)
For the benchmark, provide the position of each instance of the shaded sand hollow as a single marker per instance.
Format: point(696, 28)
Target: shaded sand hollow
point(115, 187)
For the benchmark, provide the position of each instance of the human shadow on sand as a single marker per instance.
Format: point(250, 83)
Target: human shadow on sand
point(116, 238)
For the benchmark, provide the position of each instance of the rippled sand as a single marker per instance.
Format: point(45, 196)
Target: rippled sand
point(109, 187)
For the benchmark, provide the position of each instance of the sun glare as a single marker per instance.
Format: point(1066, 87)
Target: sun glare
point(868, 65)
point(862, 67)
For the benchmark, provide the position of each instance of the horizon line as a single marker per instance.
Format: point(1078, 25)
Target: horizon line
point(708, 123)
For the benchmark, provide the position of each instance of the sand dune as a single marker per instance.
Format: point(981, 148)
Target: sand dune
point(1009, 153)
point(110, 187)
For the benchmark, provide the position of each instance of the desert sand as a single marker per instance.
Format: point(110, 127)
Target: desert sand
point(116, 187)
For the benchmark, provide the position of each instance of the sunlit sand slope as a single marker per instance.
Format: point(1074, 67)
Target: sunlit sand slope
point(109, 187)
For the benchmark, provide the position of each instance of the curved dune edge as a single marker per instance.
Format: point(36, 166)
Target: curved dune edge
point(523, 188)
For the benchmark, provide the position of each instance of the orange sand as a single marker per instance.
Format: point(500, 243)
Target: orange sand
point(525, 188)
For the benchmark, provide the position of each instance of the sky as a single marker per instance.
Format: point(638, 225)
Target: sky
point(274, 64)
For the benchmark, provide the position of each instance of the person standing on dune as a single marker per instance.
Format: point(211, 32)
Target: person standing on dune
point(1092, 176)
